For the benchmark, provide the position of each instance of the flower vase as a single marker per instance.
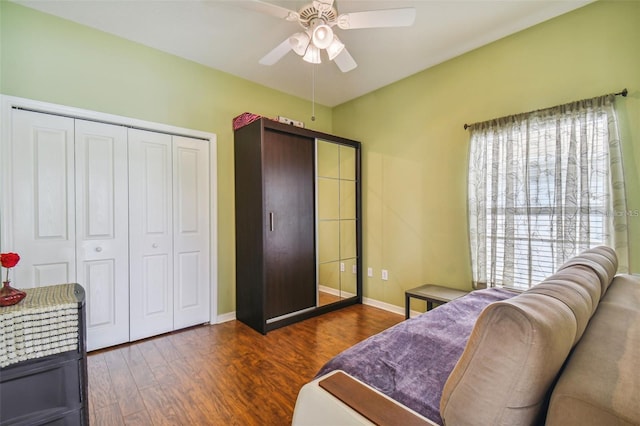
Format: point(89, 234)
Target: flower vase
point(9, 295)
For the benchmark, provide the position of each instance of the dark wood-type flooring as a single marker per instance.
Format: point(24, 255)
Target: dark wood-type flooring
point(223, 374)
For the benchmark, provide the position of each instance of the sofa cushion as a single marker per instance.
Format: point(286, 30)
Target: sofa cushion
point(583, 276)
point(571, 294)
point(601, 380)
point(511, 359)
point(602, 259)
point(626, 292)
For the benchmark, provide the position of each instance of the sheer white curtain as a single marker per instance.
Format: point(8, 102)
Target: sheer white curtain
point(544, 186)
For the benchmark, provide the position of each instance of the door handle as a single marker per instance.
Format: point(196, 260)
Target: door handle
point(271, 222)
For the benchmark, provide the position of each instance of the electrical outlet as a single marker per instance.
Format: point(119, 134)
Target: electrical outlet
point(354, 269)
point(341, 266)
point(370, 272)
point(385, 275)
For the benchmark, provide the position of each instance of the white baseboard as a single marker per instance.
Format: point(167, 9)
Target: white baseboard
point(329, 290)
point(229, 316)
point(335, 292)
point(367, 301)
point(383, 305)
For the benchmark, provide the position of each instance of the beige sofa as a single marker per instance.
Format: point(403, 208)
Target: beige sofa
point(566, 352)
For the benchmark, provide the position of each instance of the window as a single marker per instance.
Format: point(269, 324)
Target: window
point(541, 191)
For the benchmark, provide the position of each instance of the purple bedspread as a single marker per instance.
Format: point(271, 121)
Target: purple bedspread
point(411, 361)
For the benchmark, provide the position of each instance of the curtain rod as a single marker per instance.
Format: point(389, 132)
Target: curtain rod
point(622, 93)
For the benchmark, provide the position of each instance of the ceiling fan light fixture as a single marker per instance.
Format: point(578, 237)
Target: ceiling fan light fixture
point(335, 48)
point(299, 43)
point(313, 55)
point(322, 36)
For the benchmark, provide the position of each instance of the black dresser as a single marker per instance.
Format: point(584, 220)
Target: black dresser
point(43, 358)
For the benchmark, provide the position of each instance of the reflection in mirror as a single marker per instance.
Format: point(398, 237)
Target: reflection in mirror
point(328, 241)
point(329, 280)
point(328, 159)
point(337, 222)
point(347, 162)
point(329, 197)
point(348, 239)
point(348, 279)
point(347, 200)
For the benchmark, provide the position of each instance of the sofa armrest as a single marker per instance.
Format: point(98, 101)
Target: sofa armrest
point(338, 398)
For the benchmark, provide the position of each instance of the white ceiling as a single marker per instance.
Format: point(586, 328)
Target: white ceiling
point(229, 36)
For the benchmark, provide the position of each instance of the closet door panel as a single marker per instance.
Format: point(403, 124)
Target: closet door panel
point(154, 302)
point(102, 230)
point(151, 233)
point(49, 273)
point(191, 231)
point(42, 199)
point(98, 279)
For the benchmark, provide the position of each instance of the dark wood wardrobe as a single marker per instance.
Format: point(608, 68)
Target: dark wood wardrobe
point(276, 225)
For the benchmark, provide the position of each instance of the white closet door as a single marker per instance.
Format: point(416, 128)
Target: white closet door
point(191, 231)
point(102, 230)
point(42, 199)
point(151, 234)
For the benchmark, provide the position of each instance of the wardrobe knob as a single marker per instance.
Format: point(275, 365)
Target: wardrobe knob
point(98, 249)
point(154, 245)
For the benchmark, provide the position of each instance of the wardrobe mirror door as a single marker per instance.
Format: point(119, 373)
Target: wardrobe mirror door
point(336, 222)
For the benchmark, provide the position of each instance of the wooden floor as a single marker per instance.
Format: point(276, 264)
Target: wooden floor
point(224, 374)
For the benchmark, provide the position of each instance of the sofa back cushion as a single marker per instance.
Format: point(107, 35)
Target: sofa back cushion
point(511, 359)
point(583, 276)
point(603, 260)
point(574, 296)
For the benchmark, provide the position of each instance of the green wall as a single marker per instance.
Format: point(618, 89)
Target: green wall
point(54, 60)
point(415, 147)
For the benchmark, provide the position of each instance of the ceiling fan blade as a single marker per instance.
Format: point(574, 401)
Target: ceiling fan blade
point(345, 61)
point(277, 53)
point(403, 17)
point(269, 9)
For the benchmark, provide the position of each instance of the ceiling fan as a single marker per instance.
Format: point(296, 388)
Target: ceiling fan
point(317, 20)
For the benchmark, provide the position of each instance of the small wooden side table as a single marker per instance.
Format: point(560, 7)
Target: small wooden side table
point(430, 293)
point(43, 353)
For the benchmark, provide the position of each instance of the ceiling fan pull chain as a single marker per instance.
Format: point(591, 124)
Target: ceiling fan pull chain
point(313, 92)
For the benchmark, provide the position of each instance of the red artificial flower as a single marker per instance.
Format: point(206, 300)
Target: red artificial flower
point(9, 260)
